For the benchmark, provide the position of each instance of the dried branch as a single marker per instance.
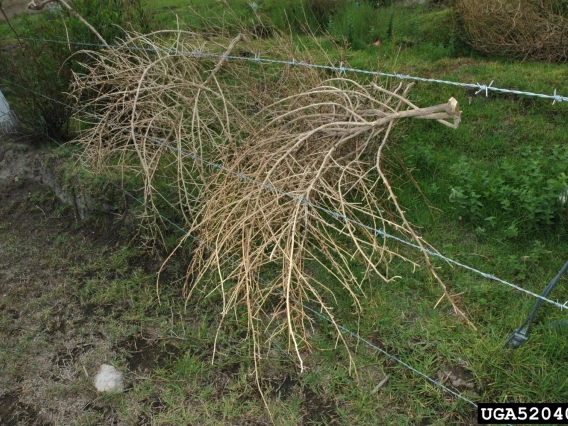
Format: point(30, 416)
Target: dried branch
point(311, 149)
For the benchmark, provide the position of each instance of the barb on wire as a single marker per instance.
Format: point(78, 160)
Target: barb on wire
point(484, 88)
point(335, 214)
point(557, 98)
point(257, 58)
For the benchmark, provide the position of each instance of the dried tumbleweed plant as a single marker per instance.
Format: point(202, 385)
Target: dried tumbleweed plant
point(297, 186)
point(155, 100)
point(274, 171)
point(527, 30)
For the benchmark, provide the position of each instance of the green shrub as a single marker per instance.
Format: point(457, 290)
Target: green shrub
point(520, 195)
point(322, 10)
point(357, 24)
point(46, 68)
point(361, 23)
point(301, 16)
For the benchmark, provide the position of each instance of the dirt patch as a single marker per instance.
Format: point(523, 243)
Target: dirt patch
point(13, 8)
point(457, 377)
point(144, 354)
point(13, 412)
point(317, 410)
point(282, 387)
point(67, 357)
point(64, 309)
point(155, 405)
point(50, 348)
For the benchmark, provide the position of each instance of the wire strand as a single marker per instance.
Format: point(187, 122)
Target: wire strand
point(481, 88)
point(335, 214)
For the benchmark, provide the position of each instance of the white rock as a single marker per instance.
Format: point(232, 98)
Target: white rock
point(563, 197)
point(109, 379)
point(8, 121)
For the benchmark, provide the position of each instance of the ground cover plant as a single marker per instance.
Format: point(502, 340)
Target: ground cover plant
point(500, 137)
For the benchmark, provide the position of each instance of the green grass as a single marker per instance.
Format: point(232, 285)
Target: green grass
point(398, 316)
point(190, 13)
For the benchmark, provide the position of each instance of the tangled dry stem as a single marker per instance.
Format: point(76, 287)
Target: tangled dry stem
point(300, 158)
point(534, 30)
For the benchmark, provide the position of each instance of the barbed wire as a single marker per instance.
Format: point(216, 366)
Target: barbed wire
point(480, 88)
point(304, 201)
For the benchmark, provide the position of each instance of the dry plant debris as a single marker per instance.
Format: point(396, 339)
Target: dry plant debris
point(299, 152)
point(533, 30)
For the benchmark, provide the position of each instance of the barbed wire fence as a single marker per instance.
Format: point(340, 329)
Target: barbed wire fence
point(480, 88)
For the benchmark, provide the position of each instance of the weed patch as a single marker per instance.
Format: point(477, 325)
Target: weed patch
point(521, 195)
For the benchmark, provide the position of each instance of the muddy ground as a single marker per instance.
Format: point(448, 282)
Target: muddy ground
point(14, 8)
point(53, 339)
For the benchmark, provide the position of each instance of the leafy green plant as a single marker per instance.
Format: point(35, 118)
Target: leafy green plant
point(355, 23)
point(519, 195)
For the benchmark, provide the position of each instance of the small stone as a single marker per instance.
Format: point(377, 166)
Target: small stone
point(109, 379)
point(8, 121)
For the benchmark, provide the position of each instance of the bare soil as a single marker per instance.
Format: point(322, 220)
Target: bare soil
point(14, 8)
point(55, 333)
point(52, 339)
